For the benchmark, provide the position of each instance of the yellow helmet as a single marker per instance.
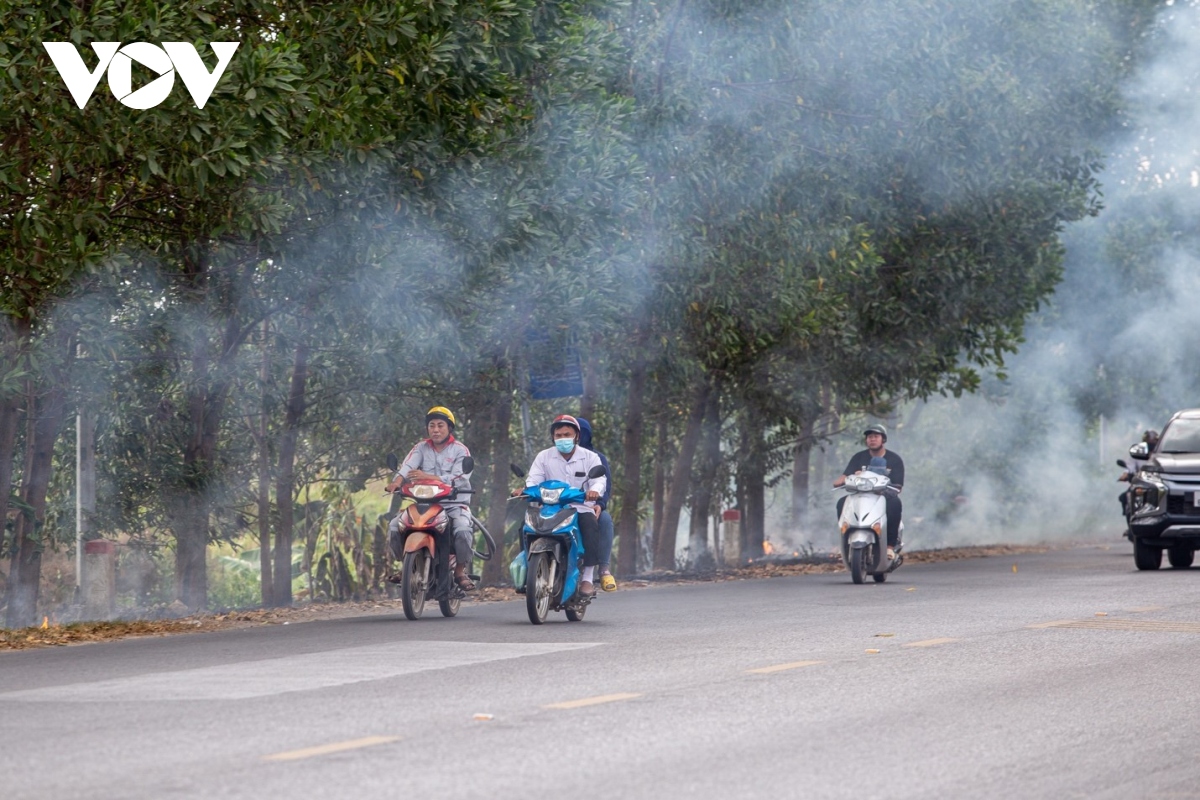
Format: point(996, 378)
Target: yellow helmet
point(439, 412)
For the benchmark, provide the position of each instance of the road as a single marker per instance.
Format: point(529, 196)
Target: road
point(1058, 675)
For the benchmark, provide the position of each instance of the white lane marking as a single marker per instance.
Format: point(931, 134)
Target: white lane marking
point(298, 673)
point(782, 667)
point(593, 701)
point(326, 749)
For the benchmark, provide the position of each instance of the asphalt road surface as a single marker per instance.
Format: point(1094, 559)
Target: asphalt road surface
point(1058, 675)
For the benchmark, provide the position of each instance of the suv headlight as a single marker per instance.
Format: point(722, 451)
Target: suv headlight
point(1152, 478)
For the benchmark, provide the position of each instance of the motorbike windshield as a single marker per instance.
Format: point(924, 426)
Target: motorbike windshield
point(1181, 436)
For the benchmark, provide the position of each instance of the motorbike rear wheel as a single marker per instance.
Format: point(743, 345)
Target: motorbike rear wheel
point(537, 588)
point(879, 577)
point(576, 614)
point(450, 606)
point(412, 583)
point(858, 564)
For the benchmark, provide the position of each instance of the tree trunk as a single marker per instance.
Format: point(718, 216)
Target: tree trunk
point(591, 382)
point(631, 468)
point(801, 477)
point(15, 337)
point(286, 477)
point(43, 424)
point(494, 570)
point(752, 487)
point(702, 500)
point(659, 501)
point(266, 582)
point(664, 553)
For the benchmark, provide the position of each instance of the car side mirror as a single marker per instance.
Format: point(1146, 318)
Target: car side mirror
point(1140, 451)
point(392, 462)
point(520, 473)
point(597, 471)
point(468, 465)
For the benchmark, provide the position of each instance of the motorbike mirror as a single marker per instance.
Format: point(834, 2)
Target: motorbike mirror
point(520, 473)
point(1140, 451)
point(468, 465)
point(596, 471)
point(392, 461)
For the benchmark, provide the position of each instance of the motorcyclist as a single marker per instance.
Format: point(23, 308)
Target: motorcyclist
point(570, 463)
point(875, 437)
point(607, 533)
point(440, 457)
point(1150, 438)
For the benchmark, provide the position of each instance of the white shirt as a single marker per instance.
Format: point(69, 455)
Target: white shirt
point(550, 465)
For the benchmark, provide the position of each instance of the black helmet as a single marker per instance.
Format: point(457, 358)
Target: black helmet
point(876, 428)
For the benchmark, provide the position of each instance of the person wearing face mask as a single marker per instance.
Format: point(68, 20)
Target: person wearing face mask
point(570, 463)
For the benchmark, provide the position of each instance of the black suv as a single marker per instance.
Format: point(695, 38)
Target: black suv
point(1164, 495)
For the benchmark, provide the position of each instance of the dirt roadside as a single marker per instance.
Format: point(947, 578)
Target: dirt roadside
point(52, 635)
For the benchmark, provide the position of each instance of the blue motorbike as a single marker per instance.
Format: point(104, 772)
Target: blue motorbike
point(552, 547)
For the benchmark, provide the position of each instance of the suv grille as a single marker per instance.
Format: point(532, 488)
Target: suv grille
point(1182, 505)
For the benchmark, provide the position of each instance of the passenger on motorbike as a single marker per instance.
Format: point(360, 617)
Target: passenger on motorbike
point(440, 457)
point(569, 463)
point(607, 582)
point(876, 436)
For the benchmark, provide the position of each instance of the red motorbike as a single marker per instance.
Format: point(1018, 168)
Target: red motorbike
point(425, 544)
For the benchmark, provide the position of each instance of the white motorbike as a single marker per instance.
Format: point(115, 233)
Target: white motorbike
point(864, 526)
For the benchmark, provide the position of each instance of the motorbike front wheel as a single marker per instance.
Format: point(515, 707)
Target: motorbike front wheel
point(537, 588)
point(412, 583)
point(858, 564)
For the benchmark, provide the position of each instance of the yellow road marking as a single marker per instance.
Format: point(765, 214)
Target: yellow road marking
point(1146, 608)
point(593, 701)
point(930, 642)
point(326, 749)
point(782, 667)
point(1161, 626)
point(1054, 624)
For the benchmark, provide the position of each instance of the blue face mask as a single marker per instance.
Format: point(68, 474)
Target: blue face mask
point(564, 445)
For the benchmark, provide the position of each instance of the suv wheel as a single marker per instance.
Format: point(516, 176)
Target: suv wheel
point(1181, 557)
point(1145, 556)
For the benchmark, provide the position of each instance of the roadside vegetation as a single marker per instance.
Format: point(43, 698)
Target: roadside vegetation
point(745, 224)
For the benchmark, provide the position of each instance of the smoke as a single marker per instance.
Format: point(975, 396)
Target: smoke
point(1032, 456)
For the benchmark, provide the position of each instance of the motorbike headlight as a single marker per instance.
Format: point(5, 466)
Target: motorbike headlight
point(424, 491)
point(862, 484)
point(550, 496)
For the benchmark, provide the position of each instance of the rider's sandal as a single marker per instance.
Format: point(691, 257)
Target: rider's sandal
point(465, 583)
point(607, 582)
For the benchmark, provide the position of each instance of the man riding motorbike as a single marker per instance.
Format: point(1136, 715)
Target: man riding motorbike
point(569, 463)
point(440, 457)
point(875, 437)
point(1150, 438)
